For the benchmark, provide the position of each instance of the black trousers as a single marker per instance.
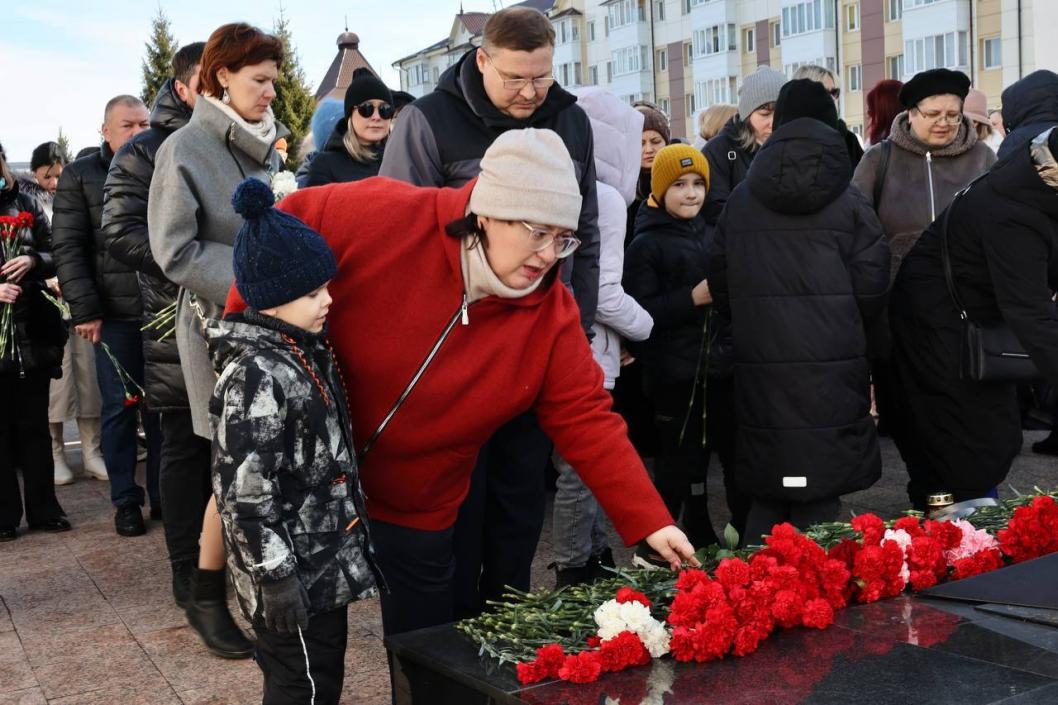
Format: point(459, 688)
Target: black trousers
point(764, 514)
point(306, 667)
point(184, 482)
point(721, 433)
point(501, 518)
point(682, 461)
point(25, 442)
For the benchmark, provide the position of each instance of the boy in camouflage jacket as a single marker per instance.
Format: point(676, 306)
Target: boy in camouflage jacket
point(284, 464)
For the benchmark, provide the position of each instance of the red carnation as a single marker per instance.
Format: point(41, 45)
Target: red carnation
point(529, 673)
point(980, 562)
point(550, 658)
point(817, 614)
point(948, 534)
point(581, 668)
point(622, 651)
point(787, 608)
point(872, 528)
point(910, 525)
point(691, 577)
point(627, 594)
point(593, 641)
point(732, 573)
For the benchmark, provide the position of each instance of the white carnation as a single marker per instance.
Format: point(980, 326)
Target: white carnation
point(656, 638)
point(284, 184)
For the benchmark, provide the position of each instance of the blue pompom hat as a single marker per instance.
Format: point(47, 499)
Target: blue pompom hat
point(277, 257)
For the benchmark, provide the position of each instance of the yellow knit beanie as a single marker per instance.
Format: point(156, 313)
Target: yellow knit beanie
point(671, 163)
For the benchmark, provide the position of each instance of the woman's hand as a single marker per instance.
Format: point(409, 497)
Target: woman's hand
point(700, 294)
point(626, 357)
point(53, 285)
point(671, 544)
point(9, 292)
point(16, 268)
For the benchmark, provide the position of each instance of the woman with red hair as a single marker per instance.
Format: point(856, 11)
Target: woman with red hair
point(883, 105)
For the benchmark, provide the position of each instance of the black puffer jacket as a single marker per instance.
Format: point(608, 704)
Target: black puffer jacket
point(1030, 106)
point(94, 284)
point(334, 165)
point(40, 333)
point(284, 465)
point(728, 166)
point(127, 241)
point(665, 261)
point(799, 265)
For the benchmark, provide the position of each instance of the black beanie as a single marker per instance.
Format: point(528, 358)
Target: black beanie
point(365, 86)
point(934, 82)
point(805, 98)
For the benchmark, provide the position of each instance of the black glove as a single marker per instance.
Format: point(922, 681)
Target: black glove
point(285, 604)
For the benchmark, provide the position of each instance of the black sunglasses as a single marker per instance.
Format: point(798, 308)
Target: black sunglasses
point(366, 110)
point(835, 93)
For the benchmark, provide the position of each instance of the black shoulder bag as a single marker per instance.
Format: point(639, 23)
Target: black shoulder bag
point(990, 352)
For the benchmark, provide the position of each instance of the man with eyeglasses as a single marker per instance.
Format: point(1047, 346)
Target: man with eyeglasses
point(507, 84)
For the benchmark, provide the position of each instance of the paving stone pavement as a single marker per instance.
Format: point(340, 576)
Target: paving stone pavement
point(87, 616)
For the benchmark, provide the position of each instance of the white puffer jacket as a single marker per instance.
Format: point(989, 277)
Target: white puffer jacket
point(616, 129)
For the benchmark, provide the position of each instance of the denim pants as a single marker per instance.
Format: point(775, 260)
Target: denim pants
point(578, 524)
point(118, 422)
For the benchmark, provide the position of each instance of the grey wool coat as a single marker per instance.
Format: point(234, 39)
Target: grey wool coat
point(192, 229)
point(284, 466)
point(904, 205)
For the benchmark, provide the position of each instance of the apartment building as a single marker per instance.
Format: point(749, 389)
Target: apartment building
point(685, 55)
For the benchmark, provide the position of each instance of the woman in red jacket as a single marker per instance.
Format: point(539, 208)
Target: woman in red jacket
point(446, 299)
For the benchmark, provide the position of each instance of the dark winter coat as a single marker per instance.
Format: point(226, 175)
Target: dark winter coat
point(665, 261)
point(852, 145)
point(124, 224)
point(440, 139)
point(284, 465)
point(1003, 237)
point(40, 334)
point(728, 166)
point(94, 284)
point(799, 265)
point(1030, 106)
point(335, 165)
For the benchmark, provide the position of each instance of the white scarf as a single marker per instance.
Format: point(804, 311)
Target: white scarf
point(264, 130)
point(479, 279)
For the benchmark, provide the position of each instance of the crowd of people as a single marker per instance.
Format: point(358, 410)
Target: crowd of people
point(359, 390)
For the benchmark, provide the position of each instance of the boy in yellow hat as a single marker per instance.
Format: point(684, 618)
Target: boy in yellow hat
point(664, 271)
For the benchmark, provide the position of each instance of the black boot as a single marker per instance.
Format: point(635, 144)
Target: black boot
point(1048, 446)
point(208, 616)
point(598, 564)
point(182, 572)
point(564, 577)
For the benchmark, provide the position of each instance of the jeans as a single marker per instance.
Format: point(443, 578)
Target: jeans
point(25, 442)
point(579, 524)
point(118, 421)
point(184, 482)
point(501, 518)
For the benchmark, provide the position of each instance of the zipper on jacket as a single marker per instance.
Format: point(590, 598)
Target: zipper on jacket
point(463, 311)
point(227, 143)
point(929, 180)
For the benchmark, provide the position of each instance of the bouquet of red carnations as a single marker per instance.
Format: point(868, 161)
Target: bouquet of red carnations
point(10, 227)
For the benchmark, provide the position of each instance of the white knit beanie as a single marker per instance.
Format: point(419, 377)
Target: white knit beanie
point(528, 175)
point(759, 88)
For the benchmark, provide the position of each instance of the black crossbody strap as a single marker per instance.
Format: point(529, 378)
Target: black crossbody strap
point(886, 147)
point(945, 256)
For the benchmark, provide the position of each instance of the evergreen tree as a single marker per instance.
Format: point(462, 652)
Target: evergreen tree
point(158, 64)
point(64, 146)
point(294, 102)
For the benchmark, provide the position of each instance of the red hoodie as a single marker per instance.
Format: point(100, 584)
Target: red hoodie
point(399, 283)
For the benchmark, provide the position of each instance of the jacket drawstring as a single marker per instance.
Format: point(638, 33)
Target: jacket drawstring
point(929, 180)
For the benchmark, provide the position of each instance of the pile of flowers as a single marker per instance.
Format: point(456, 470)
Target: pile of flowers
point(795, 580)
point(10, 226)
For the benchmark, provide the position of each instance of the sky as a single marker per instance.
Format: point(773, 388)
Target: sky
point(63, 59)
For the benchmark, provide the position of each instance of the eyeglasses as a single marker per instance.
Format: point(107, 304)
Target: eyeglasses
point(539, 240)
point(518, 84)
point(939, 116)
point(366, 110)
point(835, 93)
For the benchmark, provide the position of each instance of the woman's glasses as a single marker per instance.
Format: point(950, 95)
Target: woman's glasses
point(540, 239)
point(366, 110)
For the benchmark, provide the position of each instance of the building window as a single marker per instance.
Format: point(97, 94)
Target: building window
point(749, 41)
point(855, 76)
point(808, 16)
point(713, 91)
point(993, 53)
point(920, 3)
point(894, 66)
point(574, 30)
point(688, 53)
point(713, 40)
point(852, 17)
point(934, 52)
point(663, 60)
point(659, 10)
point(663, 104)
point(628, 60)
point(689, 102)
point(776, 34)
point(622, 13)
point(562, 35)
point(591, 31)
point(593, 75)
point(894, 10)
point(609, 72)
point(436, 73)
point(695, 3)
